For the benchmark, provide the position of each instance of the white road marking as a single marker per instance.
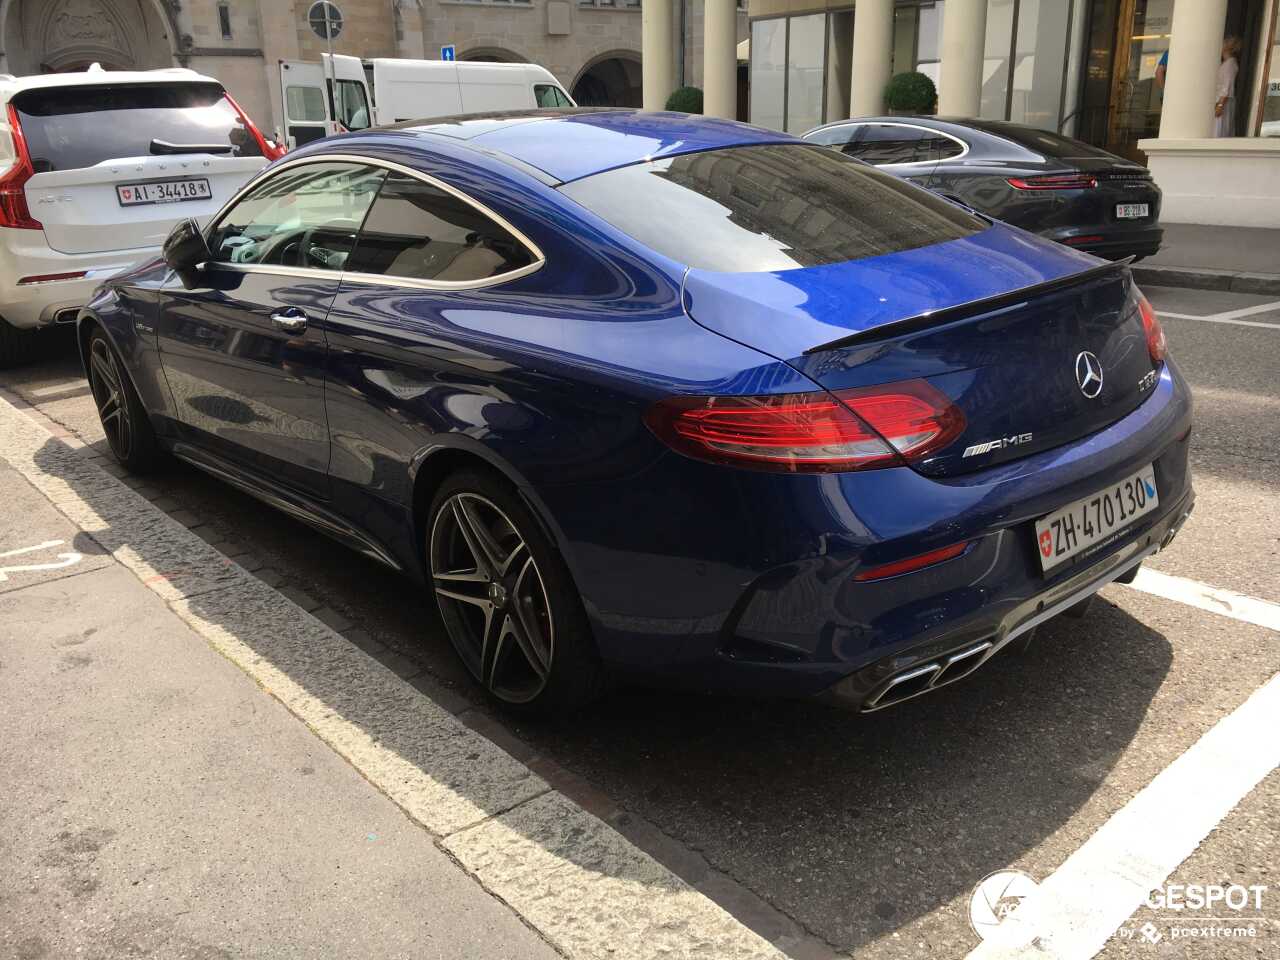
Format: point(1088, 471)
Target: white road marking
point(1231, 316)
point(1214, 319)
point(1195, 594)
point(1273, 306)
point(1074, 912)
point(64, 559)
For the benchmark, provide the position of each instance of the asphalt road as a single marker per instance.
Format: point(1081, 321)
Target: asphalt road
point(869, 833)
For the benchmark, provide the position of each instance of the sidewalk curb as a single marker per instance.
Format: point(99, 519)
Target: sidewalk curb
point(574, 879)
point(1197, 278)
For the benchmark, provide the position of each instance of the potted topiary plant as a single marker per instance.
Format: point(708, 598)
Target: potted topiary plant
point(910, 93)
point(685, 100)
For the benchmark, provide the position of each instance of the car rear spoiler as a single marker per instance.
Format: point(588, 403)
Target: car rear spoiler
point(934, 318)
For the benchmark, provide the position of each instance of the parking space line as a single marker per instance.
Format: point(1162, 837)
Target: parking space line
point(1273, 306)
point(1220, 319)
point(1077, 909)
point(1194, 594)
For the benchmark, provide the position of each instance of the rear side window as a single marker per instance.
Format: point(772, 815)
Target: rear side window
point(944, 148)
point(71, 127)
point(766, 208)
point(419, 232)
point(549, 95)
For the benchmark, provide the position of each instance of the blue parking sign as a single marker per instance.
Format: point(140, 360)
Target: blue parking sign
point(447, 52)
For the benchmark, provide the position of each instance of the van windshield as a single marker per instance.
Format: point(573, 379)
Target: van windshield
point(767, 208)
point(71, 127)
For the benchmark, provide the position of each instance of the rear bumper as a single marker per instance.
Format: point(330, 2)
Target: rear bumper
point(1110, 241)
point(760, 598)
point(937, 663)
point(24, 253)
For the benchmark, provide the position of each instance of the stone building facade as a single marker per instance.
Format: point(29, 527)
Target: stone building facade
point(592, 46)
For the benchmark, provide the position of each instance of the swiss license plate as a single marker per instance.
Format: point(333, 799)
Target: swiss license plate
point(163, 191)
point(1132, 211)
point(1089, 524)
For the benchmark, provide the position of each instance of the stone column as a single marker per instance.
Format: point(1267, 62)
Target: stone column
point(1195, 50)
point(872, 56)
point(964, 39)
point(720, 59)
point(657, 52)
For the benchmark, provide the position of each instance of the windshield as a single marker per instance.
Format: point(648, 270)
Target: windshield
point(766, 208)
point(71, 127)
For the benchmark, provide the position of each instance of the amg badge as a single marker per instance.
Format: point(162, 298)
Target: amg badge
point(1000, 444)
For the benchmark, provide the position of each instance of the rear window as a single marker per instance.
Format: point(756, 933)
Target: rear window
point(1043, 142)
point(71, 127)
point(765, 208)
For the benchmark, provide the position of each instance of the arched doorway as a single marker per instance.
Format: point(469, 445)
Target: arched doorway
point(610, 81)
point(52, 36)
point(491, 55)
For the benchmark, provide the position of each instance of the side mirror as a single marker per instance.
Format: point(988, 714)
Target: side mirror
point(185, 248)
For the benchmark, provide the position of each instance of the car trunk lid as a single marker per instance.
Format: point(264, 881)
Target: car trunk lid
point(91, 146)
point(1014, 331)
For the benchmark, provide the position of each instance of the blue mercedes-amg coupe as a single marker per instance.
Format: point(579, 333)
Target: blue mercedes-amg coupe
point(653, 396)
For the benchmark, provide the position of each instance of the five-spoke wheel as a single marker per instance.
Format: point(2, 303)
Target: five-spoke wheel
point(128, 429)
point(506, 598)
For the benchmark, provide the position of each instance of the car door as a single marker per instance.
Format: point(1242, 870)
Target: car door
point(428, 275)
point(242, 343)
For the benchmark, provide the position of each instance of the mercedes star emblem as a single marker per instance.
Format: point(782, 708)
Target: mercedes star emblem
point(1089, 374)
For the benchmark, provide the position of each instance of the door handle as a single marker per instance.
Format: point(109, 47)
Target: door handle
point(289, 319)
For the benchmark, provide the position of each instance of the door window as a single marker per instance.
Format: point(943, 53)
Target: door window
point(351, 106)
point(420, 232)
point(885, 143)
point(303, 216)
point(304, 104)
point(843, 138)
point(549, 95)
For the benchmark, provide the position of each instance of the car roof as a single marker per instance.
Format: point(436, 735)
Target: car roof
point(575, 142)
point(96, 76)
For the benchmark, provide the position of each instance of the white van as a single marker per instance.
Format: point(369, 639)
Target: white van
point(385, 90)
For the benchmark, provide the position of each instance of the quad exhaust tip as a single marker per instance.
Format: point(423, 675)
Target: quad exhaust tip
point(928, 676)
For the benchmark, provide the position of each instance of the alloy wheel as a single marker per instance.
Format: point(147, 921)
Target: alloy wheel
point(107, 384)
point(493, 597)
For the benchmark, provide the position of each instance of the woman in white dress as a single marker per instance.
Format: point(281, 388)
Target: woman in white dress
point(1224, 107)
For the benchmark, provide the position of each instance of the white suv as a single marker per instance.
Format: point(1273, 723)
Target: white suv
point(95, 168)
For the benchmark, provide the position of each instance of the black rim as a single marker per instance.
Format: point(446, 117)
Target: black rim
point(108, 393)
point(492, 596)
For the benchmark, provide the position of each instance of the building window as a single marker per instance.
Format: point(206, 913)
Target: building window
point(801, 66)
point(224, 19)
point(325, 19)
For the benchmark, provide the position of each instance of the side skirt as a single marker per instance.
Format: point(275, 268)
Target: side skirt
point(288, 501)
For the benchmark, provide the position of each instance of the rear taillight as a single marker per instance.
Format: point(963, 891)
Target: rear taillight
point(1156, 343)
point(1055, 181)
point(13, 185)
point(269, 150)
point(811, 432)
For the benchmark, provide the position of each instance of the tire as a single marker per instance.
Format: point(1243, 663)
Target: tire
point(17, 346)
point(507, 599)
point(130, 435)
